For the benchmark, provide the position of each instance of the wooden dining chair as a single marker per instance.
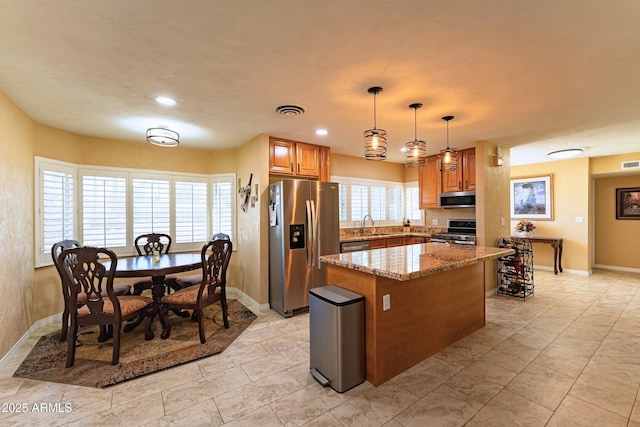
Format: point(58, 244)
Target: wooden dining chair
point(194, 279)
point(146, 244)
point(83, 272)
point(215, 257)
point(56, 249)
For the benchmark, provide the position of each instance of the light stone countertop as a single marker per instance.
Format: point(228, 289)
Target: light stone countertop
point(413, 261)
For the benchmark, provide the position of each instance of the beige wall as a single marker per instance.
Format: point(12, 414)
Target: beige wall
point(617, 241)
point(356, 167)
point(492, 201)
point(251, 269)
point(571, 199)
point(16, 224)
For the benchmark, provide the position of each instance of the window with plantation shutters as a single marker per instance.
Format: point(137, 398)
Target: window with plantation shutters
point(388, 203)
point(58, 207)
point(342, 201)
point(191, 212)
point(395, 205)
point(222, 206)
point(378, 209)
point(151, 206)
point(412, 204)
point(104, 210)
point(359, 201)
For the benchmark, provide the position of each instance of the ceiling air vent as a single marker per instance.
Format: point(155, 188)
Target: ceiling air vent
point(633, 164)
point(290, 110)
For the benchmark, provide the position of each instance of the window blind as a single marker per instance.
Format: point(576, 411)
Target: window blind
point(191, 211)
point(104, 211)
point(151, 206)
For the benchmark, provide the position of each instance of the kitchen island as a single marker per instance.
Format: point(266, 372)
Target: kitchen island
point(418, 299)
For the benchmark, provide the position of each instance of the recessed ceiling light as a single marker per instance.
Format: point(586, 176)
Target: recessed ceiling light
point(165, 100)
point(565, 153)
point(321, 132)
point(404, 149)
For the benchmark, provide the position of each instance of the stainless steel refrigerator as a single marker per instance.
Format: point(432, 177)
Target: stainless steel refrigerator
point(303, 224)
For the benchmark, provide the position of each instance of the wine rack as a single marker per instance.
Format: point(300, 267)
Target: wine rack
point(515, 272)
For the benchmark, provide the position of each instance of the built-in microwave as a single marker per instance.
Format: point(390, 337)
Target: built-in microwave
point(459, 199)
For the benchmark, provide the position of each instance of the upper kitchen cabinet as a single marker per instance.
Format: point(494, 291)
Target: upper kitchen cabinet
point(298, 159)
point(464, 177)
point(429, 183)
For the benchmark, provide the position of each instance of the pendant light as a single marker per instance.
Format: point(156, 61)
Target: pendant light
point(375, 140)
point(448, 158)
point(415, 154)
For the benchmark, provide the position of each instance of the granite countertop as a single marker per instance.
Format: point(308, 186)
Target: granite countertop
point(377, 236)
point(413, 261)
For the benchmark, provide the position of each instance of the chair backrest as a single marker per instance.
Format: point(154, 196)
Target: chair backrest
point(215, 259)
point(56, 249)
point(83, 271)
point(220, 236)
point(147, 243)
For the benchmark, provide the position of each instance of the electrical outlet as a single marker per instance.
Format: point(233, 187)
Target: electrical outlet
point(434, 222)
point(386, 302)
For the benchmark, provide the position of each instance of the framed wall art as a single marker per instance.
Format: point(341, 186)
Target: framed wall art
point(532, 197)
point(628, 203)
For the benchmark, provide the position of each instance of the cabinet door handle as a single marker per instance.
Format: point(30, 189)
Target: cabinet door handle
point(298, 167)
point(459, 184)
point(466, 185)
point(292, 167)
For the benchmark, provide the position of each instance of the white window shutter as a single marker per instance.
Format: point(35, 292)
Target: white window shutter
point(58, 210)
point(222, 207)
point(104, 211)
point(151, 206)
point(191, 212)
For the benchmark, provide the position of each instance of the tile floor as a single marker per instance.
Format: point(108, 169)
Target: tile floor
point(570, 355)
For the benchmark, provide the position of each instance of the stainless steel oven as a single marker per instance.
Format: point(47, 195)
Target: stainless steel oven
point(459, 232)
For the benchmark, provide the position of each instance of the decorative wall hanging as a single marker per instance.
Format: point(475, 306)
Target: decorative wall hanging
point(245, 194)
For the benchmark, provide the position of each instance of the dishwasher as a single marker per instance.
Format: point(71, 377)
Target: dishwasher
point(362, 245)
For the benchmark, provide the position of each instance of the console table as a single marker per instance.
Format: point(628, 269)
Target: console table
point(556, 242)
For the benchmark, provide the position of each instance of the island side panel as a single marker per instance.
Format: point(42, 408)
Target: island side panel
point(363, 284)
point(426, 315)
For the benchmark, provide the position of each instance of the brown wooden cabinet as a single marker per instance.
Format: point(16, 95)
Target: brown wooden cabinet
point(464, 177)
point(298, 159)
point(377, 243)
point(429, 183)
point(394, 241)
point(412, 240)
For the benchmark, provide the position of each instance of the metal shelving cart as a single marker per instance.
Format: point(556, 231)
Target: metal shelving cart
point(515, 272)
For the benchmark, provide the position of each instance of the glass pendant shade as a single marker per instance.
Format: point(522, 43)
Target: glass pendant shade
point(163, 137)
point(375, 140)
point(448, 158)
point(415, 154)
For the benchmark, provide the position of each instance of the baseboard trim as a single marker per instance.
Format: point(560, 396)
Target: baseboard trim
point(54, 318)
point(247, 301)
point(617, 268)
point(564, 270)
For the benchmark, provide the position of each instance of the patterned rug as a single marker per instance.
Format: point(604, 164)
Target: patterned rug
point(92, 367)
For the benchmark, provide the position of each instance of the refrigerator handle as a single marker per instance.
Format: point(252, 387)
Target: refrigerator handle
point(314, 231)
point(309, 245)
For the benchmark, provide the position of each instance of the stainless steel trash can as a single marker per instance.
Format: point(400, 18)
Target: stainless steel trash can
point(336, 337)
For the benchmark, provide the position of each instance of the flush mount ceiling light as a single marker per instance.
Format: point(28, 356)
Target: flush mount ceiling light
point(375, 140)
point(415, 154)
point(162, 136)
point(165, 100)
point(322, 132)
point(566, 153)
point(448, 158)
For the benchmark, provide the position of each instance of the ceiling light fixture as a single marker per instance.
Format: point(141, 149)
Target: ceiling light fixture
point(162, 136)
point(448, 158)
point(565, 153)
point(322, 132)
point(165, 100)
point(375, 140)
point(415, 154)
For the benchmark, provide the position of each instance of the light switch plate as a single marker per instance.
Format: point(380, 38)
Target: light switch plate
point(386, 302)
point(579, 219)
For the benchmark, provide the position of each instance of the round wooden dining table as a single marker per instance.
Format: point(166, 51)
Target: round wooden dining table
point(144, 266)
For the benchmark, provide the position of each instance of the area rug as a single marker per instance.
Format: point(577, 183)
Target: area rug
point(92, 367)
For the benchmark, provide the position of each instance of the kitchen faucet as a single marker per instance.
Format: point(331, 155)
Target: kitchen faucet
point(364, 223)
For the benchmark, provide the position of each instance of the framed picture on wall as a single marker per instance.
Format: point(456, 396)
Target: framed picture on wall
point(532, 197)
point(628, 203)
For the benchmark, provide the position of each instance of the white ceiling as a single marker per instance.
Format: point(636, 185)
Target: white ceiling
point(531, 75)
